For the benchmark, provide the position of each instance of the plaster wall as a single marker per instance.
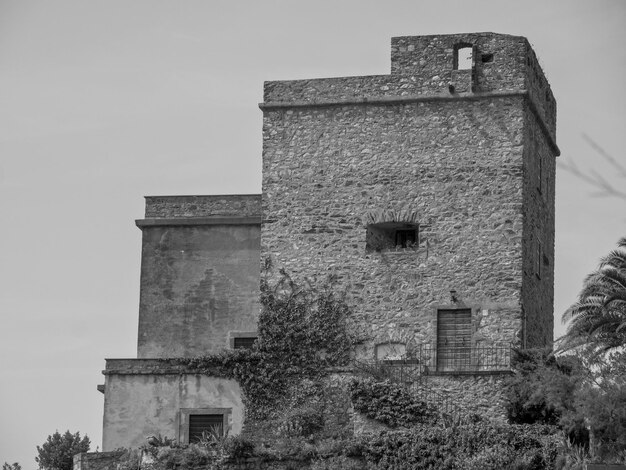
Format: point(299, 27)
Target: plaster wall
point(199, 274)
point(139, 404)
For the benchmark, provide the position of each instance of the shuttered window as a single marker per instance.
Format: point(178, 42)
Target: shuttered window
point(454, 334)
point(205, 423)
point(243, 343)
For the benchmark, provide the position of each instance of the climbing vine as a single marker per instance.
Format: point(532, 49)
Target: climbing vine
point(303, 330)
point(389, 403)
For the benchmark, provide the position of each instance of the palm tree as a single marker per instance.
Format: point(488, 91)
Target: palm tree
point(598, 318)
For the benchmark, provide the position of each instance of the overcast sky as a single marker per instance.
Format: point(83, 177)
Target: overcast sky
point(103, 102)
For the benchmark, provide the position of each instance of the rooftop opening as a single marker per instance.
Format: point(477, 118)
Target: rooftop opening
point(463, 56)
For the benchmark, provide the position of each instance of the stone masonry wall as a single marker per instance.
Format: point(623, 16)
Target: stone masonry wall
point(539, 198)
point(422, 66)
point(343, 153)
point(456, 165)
point(244, 205)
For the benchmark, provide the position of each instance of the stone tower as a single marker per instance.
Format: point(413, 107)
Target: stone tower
point(429, 193)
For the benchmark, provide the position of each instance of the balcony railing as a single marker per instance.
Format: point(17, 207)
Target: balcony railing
point(428, 359)
point(459, 358)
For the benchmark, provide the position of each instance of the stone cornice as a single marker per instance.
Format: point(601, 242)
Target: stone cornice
point(391, 100)
point(158, 222)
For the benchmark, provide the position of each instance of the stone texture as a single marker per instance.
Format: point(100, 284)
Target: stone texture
point(203, 206)
point(468, 155)
point(478, 394)
point(462, 166)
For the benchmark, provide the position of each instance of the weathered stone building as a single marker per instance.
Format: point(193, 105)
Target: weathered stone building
point(429, 194)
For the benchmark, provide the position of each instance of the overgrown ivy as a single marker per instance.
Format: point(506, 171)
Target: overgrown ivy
point(303, 331)
point(389, 403)
point(478, 446)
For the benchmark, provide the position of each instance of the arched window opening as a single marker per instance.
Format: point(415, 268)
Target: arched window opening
point(385, 236)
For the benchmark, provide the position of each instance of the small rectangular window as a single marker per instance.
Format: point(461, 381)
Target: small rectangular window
point(243, 343)
point(196, 423)
point(199, 425)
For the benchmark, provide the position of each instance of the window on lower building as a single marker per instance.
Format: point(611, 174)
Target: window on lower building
point(242, 339)
point(243, 343)
point(201, 425)
point(194, 423)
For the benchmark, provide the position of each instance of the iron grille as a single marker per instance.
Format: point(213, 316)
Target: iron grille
point(243, 343)
point(199, 424)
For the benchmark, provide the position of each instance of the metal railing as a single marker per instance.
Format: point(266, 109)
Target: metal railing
point(427, 359)
point(461, 358)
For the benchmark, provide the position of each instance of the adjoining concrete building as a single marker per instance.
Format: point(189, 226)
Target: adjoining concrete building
point(429, 194)
point(199, 294)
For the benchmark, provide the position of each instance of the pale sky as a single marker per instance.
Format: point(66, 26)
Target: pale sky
point(105, 101)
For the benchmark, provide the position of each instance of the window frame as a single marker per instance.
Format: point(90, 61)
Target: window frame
point(184, 420)
point(458, 47)
point(240, 334)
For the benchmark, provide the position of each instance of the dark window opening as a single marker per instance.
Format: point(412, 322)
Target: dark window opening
point(406, 237)
point(243, 343)
point(199, 425)
point(463, 56)
point(488, 57)
point(387, 236)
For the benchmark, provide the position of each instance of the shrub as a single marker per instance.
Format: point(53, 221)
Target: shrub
point(389, 403)
point(303, 330)
point(58, 451)
point(302, 422)
point(238, 447)
point(484, 446)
